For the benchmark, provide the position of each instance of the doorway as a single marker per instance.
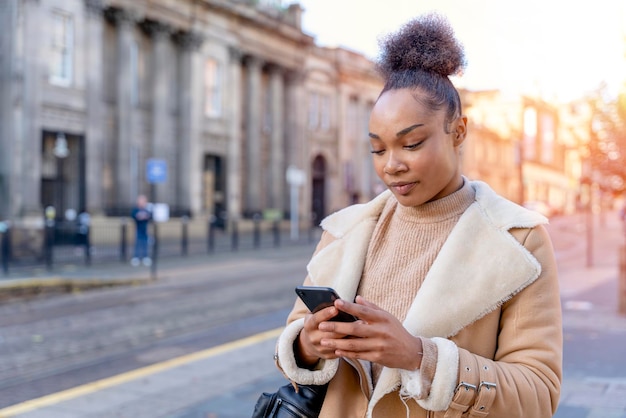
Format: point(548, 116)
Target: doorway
point(63, 173)
point(318, 198)
point(214, 187)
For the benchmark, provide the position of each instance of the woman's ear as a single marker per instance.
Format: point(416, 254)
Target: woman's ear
point(460, 130)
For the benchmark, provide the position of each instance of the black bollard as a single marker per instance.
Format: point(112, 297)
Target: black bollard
point(211, 235)
point(123, 245)
point(87, 246)
point(234, 236)
point(185, 235)
point(5, 254)
point(48, 242)
point(256, 219)
point(276, 232)
point(155, 251)
point(83, 222)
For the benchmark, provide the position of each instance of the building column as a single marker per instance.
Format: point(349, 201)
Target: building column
point(298, 154)
point(367, 173)
point(233, 177)
point(125, 182)
point(189, 163)
point(253, 135)
point(277, 150)
point(159, 143)
point(8, 17)
point(28, 135)
point(94, 140)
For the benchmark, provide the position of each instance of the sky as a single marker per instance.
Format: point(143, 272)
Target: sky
point(557, 49)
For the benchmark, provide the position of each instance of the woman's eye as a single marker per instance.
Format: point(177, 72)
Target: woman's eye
point(413, 146)
point(377, 152)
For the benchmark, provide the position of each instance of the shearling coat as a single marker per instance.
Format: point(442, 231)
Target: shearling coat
point(490, 302)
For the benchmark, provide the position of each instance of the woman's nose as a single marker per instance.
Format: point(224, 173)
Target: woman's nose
point(393, 165)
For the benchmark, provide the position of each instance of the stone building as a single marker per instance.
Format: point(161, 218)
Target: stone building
point(524, 149)
point(342, 88)
point(491, 150)
point(200, 104)
point(206, 105)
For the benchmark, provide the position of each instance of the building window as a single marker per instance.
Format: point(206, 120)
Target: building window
point(62, 49)
point(319, 111)
point(353, 126)
point(271, 3)
point(325, 113)
point(547, 139)
point(314, 111)
point(530, 134)
point(212, 92)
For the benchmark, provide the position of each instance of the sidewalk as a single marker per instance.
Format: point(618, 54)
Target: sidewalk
point(594, 381)
point(37, 279)
point(69, 260)
point(225, 381)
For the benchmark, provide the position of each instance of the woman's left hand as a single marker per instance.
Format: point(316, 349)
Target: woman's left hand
point(377, 336)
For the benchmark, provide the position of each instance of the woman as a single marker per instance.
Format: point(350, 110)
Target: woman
point(455, 287)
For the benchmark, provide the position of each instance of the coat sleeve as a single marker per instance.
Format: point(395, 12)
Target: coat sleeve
point(527, 365)
point(285, 354)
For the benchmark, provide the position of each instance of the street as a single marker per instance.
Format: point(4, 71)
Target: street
point(57, 342)
point(60, 342)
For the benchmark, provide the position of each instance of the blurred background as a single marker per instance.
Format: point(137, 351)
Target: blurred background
point(244, 122)
point(205, 106)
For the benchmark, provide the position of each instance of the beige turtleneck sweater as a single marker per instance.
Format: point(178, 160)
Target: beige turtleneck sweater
point(404, 245)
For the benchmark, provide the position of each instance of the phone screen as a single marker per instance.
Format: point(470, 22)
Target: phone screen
point(317, 298)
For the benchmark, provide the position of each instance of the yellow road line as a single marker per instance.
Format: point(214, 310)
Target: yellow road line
point(85, 389)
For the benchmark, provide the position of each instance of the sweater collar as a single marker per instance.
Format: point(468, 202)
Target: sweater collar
point(438, 210)
point(501, 213)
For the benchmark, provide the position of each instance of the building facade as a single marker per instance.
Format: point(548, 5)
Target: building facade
point(525, 148)
point(202, 105)
point(207, 105)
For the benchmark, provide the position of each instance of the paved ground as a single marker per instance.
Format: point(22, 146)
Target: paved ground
point(594, 383)
point(224, 382)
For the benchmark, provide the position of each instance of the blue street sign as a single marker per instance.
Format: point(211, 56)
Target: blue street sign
point(156, 170)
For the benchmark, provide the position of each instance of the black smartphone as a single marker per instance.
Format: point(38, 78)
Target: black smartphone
point(317, 297)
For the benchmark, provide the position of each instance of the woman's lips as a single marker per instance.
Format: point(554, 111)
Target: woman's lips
point(402, 188)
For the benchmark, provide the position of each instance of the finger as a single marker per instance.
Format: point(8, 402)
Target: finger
point(309, 343)
point(366, 313)
point(338, 327)
point(325, 314)
point(362, 301)
point(347, 346)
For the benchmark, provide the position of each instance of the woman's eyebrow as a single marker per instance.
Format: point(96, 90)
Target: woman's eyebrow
point(400, 133)
point(409, 129)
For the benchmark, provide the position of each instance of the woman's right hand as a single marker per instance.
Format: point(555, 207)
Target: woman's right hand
point(309, 349)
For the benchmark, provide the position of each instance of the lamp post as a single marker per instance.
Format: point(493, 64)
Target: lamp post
point(61, 151)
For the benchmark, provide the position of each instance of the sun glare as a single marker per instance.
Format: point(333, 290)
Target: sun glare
point(556, 49)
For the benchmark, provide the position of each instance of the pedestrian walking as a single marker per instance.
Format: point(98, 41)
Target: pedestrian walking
point(142, 217)
point(83, 221)
point(455, 288)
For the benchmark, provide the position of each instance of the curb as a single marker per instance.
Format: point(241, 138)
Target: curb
point(23, 288)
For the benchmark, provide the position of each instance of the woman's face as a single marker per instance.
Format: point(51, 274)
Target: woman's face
point(412, 153)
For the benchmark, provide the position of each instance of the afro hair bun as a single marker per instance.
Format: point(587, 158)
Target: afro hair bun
point(425, 43)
